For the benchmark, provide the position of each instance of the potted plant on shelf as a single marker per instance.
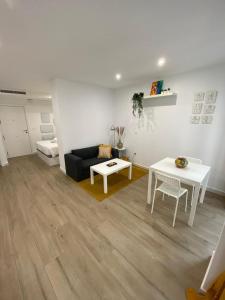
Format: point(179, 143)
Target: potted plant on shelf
point(120, 132)
point(137, 104)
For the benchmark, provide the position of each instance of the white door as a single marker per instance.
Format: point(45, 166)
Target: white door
point(15, 131)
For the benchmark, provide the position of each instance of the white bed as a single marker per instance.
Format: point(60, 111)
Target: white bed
point(48, 151)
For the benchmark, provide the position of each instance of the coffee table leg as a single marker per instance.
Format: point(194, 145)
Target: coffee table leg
point(92, 176)
point(105, 184)
point(130, 172)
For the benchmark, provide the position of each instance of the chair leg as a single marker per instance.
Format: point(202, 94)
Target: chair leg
point(153, 201)
point(175, 213)
point(163, 196)
point(186, 200)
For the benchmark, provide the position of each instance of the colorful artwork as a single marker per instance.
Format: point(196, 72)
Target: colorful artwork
point(156, 87)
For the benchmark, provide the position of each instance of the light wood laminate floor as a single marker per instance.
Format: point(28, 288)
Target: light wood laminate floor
point(56, 242)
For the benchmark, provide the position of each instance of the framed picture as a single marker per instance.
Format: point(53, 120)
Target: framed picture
point(47, 128)
point(48, 136)
point(209, 108)
point(45, 117)
point(206, 119)
point(197, 108)
point(210, 97)
point(156, 87)
point(195, 119)
point(199, 96)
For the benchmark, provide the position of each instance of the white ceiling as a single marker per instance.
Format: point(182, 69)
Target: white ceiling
point(91, 40)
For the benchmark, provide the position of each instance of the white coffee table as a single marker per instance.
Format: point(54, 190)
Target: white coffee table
point(105, 171)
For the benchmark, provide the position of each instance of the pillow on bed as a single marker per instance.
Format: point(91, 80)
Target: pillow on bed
point(105, 151)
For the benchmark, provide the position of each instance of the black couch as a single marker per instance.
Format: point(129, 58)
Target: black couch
point(78, 162)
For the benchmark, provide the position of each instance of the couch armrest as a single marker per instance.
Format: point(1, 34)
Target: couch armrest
point(115, 153)
point(73, 165)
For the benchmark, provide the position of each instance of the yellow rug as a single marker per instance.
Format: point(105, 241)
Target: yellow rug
point(116, 182)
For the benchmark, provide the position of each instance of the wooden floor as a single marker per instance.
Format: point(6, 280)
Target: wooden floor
point(56, 242)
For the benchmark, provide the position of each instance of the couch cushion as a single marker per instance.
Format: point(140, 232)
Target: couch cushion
point(105, 151)
point(87, 163)
point(86, 153)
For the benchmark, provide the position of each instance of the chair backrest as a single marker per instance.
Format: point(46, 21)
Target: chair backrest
point(171, 181)
point(194, 160)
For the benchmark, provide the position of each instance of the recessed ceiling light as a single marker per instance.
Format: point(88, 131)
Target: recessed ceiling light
point(161, 61)
point(118, 76)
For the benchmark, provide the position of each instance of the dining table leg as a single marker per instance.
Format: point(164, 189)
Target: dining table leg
point(204, 186)
point(149, 197)
point(194, 205)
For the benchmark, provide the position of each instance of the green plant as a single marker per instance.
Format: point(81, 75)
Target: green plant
point(137, 104)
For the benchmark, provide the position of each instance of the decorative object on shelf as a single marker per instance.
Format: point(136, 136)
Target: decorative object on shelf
point(113, 129)
point(210, 97)
point(181, 162)
point(120, 132)
point(137, 104)
point(199, 96)
point(166, 91)
point(156, 87)
point(195, 119)
point(197, 108)
point(207, 119)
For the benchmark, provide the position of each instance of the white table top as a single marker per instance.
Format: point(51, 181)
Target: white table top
point(103, 169)
point(192, 173)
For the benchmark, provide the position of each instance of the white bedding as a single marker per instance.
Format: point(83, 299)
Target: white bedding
point(48, 147)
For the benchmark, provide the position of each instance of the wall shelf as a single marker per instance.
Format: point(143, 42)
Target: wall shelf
point(159, 96)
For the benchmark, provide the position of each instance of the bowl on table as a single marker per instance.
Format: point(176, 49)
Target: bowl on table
point(181, 162)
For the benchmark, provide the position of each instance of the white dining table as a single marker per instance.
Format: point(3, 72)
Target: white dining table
point(196, 175)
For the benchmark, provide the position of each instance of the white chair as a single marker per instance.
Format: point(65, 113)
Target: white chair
point(194, 161)
point(171, 187)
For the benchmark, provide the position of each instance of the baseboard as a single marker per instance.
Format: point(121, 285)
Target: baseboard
point(216, 191)
point(140, 166)
point(209, 189)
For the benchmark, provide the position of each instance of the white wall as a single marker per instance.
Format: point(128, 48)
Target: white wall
point(217, 263)
point(83, 115)
point(165, 130)
point(3, 154)
point(32, 110)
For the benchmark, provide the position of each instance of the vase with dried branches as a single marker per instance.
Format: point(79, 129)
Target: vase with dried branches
point(120, 132)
